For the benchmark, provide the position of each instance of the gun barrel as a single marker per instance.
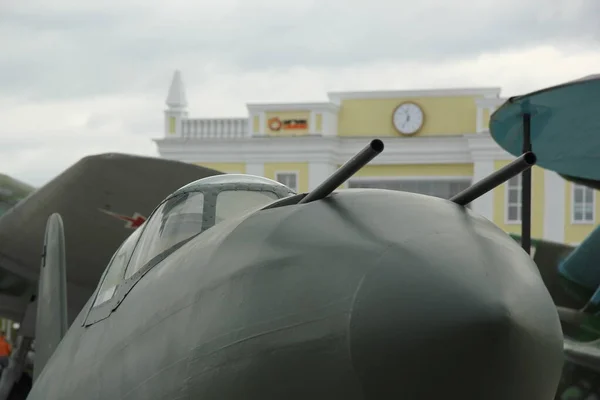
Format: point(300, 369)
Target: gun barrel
point(345, 171)
point(525, 161)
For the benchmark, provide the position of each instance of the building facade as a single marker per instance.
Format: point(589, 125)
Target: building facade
point(437, 142)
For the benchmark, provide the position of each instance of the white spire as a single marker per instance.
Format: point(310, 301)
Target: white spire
point(176, 97)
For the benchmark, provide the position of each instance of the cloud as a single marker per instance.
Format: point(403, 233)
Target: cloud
point(72, 49)
point(516, 72)
point(39, 140)
point(81, 78)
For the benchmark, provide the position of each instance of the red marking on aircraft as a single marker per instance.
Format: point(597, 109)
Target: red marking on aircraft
point(132, 222)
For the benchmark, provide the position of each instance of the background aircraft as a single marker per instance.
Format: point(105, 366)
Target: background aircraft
point(560, 125)
point(101, 199)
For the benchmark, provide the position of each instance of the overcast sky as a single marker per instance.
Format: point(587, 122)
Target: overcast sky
point(86, 77)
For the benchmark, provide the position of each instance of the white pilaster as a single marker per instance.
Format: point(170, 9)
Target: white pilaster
point(332, 126)
point(250, 125)
point(257, 169)
point(326, 124)
point(312, 128)
point(317, 172)
point(479, 119)
point(484, 205)
point(263, 122)
point(554, 207)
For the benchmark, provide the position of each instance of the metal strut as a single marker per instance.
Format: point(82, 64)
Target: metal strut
point(526, 188)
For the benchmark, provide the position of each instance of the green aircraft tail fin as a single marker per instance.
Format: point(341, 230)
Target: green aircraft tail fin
point(51, 322)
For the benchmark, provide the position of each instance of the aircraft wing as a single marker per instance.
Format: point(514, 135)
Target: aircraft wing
point(564, 127)
point(101, 199)
point(591, 183)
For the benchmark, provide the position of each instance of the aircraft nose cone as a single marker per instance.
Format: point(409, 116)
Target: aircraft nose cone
point(426, 329)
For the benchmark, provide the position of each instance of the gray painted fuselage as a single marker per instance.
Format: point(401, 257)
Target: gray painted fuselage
point(369, 294)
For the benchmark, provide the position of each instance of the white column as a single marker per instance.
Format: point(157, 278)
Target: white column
point(257, 169)
point(554, 207)
point(317, 172)
point(485, 204)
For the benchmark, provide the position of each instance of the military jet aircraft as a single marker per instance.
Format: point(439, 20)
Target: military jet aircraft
point(238, 288)
point(560, 124)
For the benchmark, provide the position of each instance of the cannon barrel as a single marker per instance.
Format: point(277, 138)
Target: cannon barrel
point(345, 171)
point(527, 160)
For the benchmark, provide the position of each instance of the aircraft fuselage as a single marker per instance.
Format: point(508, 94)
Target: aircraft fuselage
point(369, 294)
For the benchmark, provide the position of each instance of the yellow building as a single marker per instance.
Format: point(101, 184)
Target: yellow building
point(436, 142)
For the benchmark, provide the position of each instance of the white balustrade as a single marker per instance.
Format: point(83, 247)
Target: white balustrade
point(215, 128)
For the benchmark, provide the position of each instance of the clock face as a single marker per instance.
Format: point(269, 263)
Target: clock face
point(408, 118)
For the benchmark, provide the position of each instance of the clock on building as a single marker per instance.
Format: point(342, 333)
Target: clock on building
point(408, 118)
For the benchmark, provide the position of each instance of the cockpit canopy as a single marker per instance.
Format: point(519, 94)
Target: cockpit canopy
point(189, 211)
point(199, 206)
point(228, 196)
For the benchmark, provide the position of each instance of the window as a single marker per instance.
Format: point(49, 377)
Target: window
point(115, 268)
point(444, 188)
point(513, 200)
point(582, 200)
point(289, 179)
point(176, 220)
point(233, 203)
